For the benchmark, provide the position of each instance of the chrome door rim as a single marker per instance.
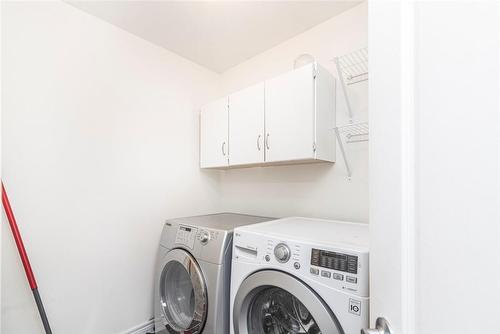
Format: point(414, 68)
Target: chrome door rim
point(255, 283)
point(197, 280)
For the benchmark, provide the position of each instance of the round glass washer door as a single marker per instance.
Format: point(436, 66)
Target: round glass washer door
point(272, 302)
point(183, 294)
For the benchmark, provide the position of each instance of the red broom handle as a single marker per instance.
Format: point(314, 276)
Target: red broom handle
point(18, 239)
point(25, 260)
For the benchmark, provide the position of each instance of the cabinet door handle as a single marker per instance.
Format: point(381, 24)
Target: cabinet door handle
point(224, 148)
point(267, 141)
point(258, 142)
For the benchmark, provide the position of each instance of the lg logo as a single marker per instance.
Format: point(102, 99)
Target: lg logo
point(354, 306)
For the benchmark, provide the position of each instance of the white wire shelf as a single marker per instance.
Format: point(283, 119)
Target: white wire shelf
point(351, 134)
point(352, 68)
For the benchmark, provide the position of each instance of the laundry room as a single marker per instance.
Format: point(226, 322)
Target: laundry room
point(249, 167)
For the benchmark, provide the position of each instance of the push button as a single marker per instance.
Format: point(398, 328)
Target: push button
point(314, 271)
point(326, 274)
point(339, 277)
point(296, 265)
point(267, 258)
point(351, 279)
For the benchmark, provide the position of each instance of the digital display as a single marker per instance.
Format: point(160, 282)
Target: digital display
point(184, 228)
point(335, 261)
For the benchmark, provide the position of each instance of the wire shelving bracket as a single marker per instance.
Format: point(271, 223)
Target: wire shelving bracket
point(350, 134)
point(352, 68)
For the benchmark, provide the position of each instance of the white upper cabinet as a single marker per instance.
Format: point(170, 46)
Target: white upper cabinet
point(214, 144)
point(246, 126)
point(290, 116)
point(287, 119)
point(324, 115)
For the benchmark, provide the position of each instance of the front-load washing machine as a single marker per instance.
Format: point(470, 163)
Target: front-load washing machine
point(300, 275)
point(193, 273)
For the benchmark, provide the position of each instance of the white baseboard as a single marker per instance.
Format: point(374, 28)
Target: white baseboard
point(146, 327)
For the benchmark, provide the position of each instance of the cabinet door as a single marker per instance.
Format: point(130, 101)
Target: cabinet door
point(289, 116)
point(214, 146)
point(246, 126)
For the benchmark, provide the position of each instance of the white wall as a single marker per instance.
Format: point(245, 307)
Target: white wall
point(100, 145)
point(321, 190)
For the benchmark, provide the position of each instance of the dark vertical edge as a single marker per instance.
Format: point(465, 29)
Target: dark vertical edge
point(41, 310)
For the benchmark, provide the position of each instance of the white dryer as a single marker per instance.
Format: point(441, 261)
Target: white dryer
point(300, 275)
point(193, 273)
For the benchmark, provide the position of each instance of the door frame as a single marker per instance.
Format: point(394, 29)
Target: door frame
point(392, 162)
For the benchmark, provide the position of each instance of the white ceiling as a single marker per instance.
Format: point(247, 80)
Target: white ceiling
point(215, 34)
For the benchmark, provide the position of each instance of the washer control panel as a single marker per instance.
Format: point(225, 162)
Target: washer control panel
point(341, 268)
point(282, 252)
point(334, 260)
point(346, 270)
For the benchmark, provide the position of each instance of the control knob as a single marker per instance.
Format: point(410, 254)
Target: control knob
point(282, 253)
point(204, 237)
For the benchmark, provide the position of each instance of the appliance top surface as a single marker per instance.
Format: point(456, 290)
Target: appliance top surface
point(220, 221)
point(314, 230)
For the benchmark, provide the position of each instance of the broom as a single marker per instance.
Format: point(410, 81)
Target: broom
point(25, 260)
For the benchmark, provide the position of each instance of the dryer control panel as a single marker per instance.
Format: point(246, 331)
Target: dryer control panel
point(186, 235)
